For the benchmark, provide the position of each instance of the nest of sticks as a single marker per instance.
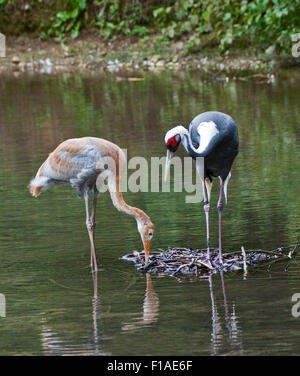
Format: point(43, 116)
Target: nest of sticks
point(189, 262)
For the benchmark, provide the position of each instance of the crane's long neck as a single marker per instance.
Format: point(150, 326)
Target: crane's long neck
point(187, 143)
point(114, 183)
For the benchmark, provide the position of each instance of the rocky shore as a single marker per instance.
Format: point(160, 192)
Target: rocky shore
point(91, 55)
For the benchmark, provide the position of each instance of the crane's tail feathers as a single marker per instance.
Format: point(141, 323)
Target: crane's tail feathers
point(38, 184)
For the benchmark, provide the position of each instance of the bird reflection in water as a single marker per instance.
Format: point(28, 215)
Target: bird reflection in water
point(222, 341)
point(150, 312)
point(219, 344)
point(54, 343)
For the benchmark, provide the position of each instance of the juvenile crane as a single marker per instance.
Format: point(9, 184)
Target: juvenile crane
point(85, 163)
point(213, 136)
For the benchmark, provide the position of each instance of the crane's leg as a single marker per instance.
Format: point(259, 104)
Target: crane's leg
point(93, 215)
point(220, 208)
point(90, 228)
point(206, 188)
point(93, 223)
point(206, 210)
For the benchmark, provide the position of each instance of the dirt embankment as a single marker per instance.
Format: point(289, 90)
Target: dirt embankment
point(22, 21)
point(90, 52)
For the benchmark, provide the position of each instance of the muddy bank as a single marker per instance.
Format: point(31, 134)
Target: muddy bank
point(92, 54)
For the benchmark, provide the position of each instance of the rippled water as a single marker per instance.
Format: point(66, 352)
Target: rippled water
point(44, 249)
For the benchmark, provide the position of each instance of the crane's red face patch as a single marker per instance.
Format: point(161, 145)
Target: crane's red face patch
point(173, 143)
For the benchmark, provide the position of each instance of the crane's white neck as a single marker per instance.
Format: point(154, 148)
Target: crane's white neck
point(185, 139)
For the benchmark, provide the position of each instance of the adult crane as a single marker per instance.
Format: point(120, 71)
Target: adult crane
point(213, 136)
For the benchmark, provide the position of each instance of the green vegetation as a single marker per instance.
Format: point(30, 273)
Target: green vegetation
point(258, 24)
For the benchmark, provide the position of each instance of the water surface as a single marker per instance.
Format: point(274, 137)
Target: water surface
point(44, 247)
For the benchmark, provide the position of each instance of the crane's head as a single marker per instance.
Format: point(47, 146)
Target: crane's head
point(146, 230)
point(172, 140)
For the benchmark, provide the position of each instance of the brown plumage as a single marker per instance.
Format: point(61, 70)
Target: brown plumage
point(82, 162)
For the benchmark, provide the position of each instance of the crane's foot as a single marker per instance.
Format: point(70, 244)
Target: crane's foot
point(209, 263)
point(208, 260)
point(220, 258)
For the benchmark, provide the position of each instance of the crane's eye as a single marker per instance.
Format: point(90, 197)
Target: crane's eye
point(173, 143)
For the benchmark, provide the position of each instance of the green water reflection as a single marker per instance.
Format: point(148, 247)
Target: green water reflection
point(44, 248)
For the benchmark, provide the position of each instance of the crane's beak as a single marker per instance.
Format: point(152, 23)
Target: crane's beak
point(168, 162)
point(147, 251)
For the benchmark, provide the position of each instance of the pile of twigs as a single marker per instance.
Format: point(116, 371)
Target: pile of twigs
point(185, 261)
